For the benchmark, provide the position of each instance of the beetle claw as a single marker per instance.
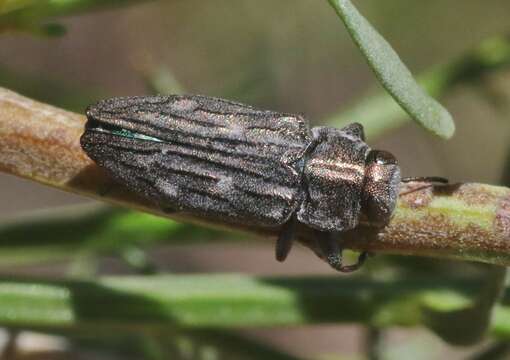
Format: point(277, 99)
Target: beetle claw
point(332, 253)
point(359, 263)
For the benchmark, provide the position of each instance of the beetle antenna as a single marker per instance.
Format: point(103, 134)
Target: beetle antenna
point(430, 179)
point(436, 179)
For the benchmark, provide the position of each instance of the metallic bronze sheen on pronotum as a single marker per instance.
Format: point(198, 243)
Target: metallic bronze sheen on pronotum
point(224, 160)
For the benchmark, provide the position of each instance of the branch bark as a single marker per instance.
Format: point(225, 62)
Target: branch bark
point(460, 221)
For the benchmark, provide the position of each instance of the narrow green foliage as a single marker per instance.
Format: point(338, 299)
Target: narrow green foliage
point(80, 230)
point(32, 15)
point(378, 112)
point(465, 325)
point(393, 74)
point(197, 301)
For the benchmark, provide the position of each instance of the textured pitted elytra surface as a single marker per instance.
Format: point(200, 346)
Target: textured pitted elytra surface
point(208, 156)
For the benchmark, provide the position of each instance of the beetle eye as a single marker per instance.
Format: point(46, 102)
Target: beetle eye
point(380, 157)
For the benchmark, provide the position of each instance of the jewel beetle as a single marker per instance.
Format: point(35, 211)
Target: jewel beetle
point(220, 159)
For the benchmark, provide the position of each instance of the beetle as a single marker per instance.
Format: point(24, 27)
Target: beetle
point(227, 161)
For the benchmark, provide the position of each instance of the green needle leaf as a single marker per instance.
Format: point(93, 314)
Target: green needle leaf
point(393, 74)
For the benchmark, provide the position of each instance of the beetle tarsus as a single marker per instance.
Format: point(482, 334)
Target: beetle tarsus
point(285, 239)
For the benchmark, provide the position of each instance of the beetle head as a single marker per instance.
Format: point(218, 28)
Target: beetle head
point(381, 185)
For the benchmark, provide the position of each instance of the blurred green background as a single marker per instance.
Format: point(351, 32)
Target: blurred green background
point(288, 55)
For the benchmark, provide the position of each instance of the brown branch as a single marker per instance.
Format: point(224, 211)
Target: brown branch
point(464, 221)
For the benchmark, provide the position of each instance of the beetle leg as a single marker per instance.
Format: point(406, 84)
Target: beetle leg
point(332, 252)
point(285, 239)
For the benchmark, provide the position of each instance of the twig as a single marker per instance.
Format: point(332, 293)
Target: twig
point(462, 221)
